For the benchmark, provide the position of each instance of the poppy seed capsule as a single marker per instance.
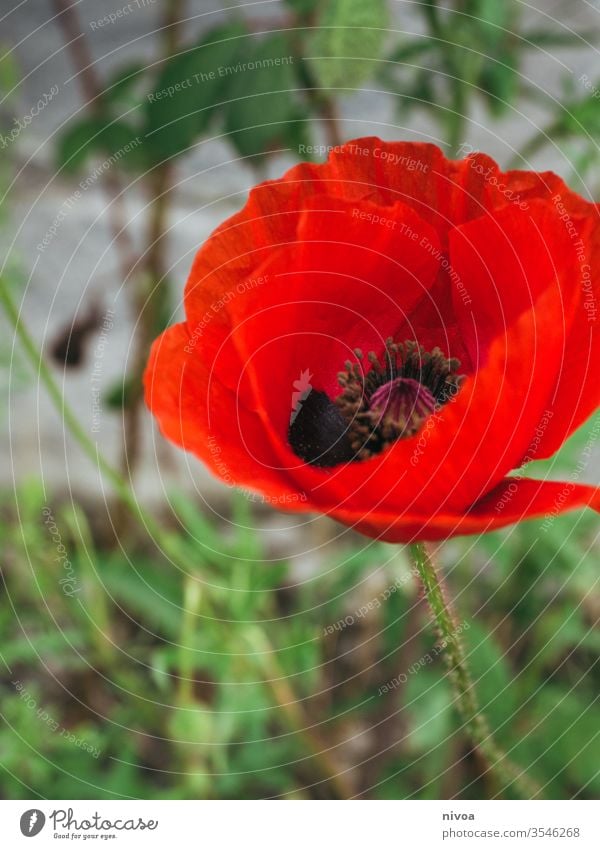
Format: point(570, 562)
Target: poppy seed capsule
point(395, 396)
point(390, 401)
point(401, 405)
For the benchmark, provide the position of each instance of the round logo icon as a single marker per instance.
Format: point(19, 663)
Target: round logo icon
point(32, 822)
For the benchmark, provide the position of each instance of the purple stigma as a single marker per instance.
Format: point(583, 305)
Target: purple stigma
point(402, 403)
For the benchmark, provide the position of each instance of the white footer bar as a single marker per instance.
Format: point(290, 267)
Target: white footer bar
point(301, 824)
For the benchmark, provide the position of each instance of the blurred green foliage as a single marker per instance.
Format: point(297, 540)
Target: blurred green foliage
point(164, 675)
point(13, 372)
point(345, 47)
point(266, 91)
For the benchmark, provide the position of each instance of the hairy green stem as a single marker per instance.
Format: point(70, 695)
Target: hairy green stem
point(507, 774)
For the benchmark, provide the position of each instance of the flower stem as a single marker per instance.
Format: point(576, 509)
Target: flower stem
point(497, 763)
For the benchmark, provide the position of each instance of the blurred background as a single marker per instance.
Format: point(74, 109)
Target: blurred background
point(287, 657)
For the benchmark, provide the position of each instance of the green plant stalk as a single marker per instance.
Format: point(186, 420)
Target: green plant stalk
point(455, 114)
point(166, 542)
point(455, 129)
point(98, 620)
point(192, 599)
point(552, 133)
point(68, 416)
point(499, 766)
point(284, 698)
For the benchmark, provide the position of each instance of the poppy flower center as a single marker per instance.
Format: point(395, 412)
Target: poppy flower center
point(388, 401)
point(398, 407)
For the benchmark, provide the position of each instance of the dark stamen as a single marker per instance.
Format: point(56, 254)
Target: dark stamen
point(388, 401)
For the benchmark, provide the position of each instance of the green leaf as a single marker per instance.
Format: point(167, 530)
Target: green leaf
point(193, 726)
point(552, 38)
point(491, 21)
point(120, 86)
point(421, 93)
point(263, 112)
point(9, 72)
point(122, 393)
point(491, 673)
point(564, 739)
point(197, 530)
point(429, 703)
point(116, 141)
point(302, 7)
point(76, 143)
point(152, 595)
point(188, 91)
point(558, 635)
point(583, 116)
point(350, 38)
point(410, 50)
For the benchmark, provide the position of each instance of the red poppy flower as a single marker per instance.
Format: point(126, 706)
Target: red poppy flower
point(385, 336)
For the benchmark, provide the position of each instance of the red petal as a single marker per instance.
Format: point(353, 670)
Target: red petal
point(250, 340)
point(347, 283)
point(505, 260)
point(484, 433)
point(508, 503)
point(198, 413)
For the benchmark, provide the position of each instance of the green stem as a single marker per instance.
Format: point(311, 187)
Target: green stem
point(455, 134)
point(552, 133)
point(286, 700)
point(458, 68)
point(69, 417)
point(96, 612)
point(192, 598)
point(497, 762)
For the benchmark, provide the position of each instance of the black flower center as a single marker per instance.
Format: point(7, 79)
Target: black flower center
point(388, 401)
